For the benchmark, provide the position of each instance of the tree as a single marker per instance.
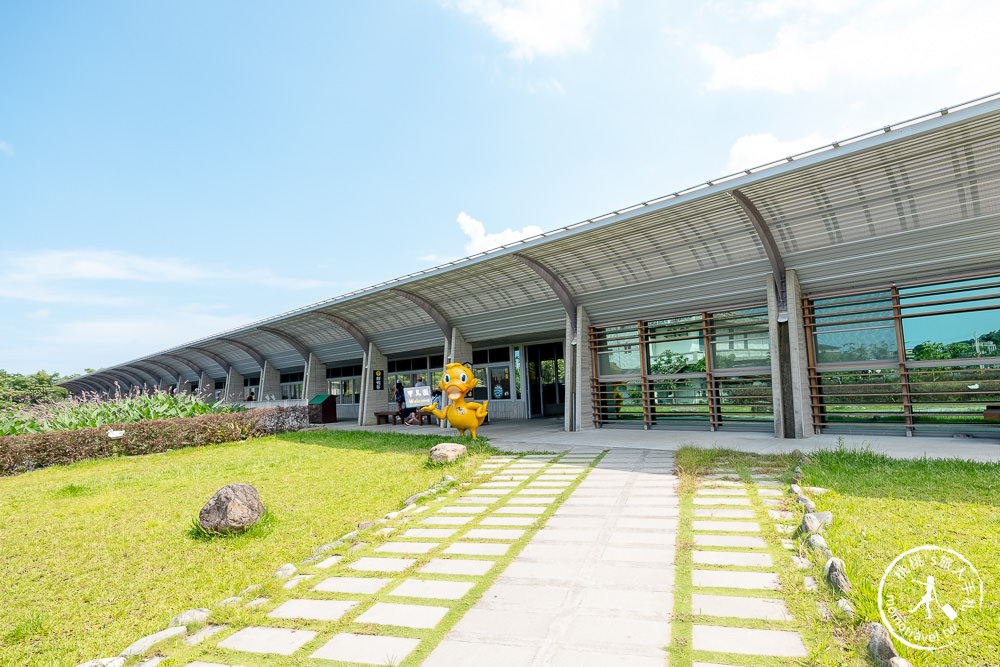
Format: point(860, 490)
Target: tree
point(36, 388)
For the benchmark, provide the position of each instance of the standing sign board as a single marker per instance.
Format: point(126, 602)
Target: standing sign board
point(417, 397)
point(378, 380)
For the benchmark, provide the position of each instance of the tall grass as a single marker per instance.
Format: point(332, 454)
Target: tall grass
point(92, 409)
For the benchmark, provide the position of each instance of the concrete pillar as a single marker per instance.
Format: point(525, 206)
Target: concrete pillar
point(183, 385)
point(570, 386)
point(164, 384)
point(780, 368)
point(799, 359)
point(315, 383)
point(234, 386)
point(206, 387)
point(270, 382)
point(373, 400)
point(583, 404)
point(460, 351)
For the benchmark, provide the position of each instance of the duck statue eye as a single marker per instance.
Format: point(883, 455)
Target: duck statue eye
point(447, 378)
point(464, 378)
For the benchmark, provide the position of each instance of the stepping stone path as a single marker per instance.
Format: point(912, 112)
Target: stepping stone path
point(736, 589)
point(568, 560)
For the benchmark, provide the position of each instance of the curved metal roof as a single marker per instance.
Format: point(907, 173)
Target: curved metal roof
point(917, 199)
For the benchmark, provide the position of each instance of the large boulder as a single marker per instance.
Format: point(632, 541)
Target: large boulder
point(233, 509)
point(446, 452)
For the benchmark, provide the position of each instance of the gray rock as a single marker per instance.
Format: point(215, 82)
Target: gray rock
point(446, 452)
point(845, 606)
point(805, 460)
point(285, 571)
point(415, 497)
point(816, 490)
point(117, 661)
point(824, 611)
point(879, 644)
point(250, 589)
point(899, 662)
point(798, 470)
point(365, 525)
point(191, 617)
point(230, 602)
point(809, 505)
point(149, 641)
point(795, 490)
point(818, 544)
point(836, 573)
point(814, 522)
point(329, 545)
point(233, 509)
point(448, 479)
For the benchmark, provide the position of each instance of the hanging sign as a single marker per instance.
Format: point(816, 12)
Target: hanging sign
point(378, 380)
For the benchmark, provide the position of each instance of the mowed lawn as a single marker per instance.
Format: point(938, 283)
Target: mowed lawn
point(97, 554)
point(883, 507)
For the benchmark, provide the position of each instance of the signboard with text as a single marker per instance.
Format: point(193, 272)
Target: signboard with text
point(378, 380)
point(417, 397)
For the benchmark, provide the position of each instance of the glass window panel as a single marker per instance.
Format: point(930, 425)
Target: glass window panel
point(677, 356)
point(620, 401)
point(499, 382)
point(481, 392)
point(855, 328)
point(619, 362)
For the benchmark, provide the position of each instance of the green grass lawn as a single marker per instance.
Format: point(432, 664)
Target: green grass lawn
point(883, 507)
point(100, 553)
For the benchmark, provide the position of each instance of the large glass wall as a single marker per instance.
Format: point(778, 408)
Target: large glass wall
point(917, 357)
point(703, 369)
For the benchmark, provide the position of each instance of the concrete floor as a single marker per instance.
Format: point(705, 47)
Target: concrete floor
point(548, 435)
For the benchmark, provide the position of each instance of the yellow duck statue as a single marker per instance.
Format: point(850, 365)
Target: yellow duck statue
point(463, 415)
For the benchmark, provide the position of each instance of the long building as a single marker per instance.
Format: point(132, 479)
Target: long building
point(855, 287)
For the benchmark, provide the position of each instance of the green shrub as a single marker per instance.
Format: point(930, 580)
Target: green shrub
point(23, 453)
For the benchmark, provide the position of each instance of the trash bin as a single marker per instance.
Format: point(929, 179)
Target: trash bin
point(323, 409)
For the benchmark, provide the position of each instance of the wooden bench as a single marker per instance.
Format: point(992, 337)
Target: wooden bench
point(383, 417)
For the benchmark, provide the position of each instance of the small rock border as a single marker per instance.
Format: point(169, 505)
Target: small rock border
point(178, 624)
point(814, 526)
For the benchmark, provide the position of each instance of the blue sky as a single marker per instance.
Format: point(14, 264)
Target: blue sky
point(172, 170)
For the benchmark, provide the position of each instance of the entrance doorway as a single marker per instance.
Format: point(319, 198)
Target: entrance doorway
point(546, 379)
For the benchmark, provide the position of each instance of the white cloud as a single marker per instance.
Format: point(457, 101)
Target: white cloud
point(817, 44)
point(539, 27)
point(480, 241)
point(754, 150)
point(6, 148)
point(66, 275)
point(40, 314)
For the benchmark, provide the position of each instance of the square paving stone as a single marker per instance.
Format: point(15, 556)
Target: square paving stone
point(486, 492)
point(770, 492)
point(725, 514)
point(572, 534)
point(407, 547)
point(726, 526)
point(370, 564)
point(477, 549)
point(317, 610)
point(296, 580)
point(618, 631)
point(747, 641)
point(781, 515)
point(457, 566)
point(784, 529)
point(430, 532)
point(653, 512)
point(508, 521)
point(452, 652)
point(658, 537)
point(448, 520)
point(742, 558)
point(742, 541)
point(539, 492)
point(351, 585)
point(656, 604)
point(332, 560)
point(466, 509)
point(367, 649)
point(739, 502)
point(495, 534)
point(405, 615)
point(647, 523)
point(499, 485)
point(767, 581)
point(638, 554)
point(521, 509)
point(475, 499)
point(428, 588)
point(548, 485)
point(729, 606)
point(531, 500)
point(724, 491)
point(281, 641)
